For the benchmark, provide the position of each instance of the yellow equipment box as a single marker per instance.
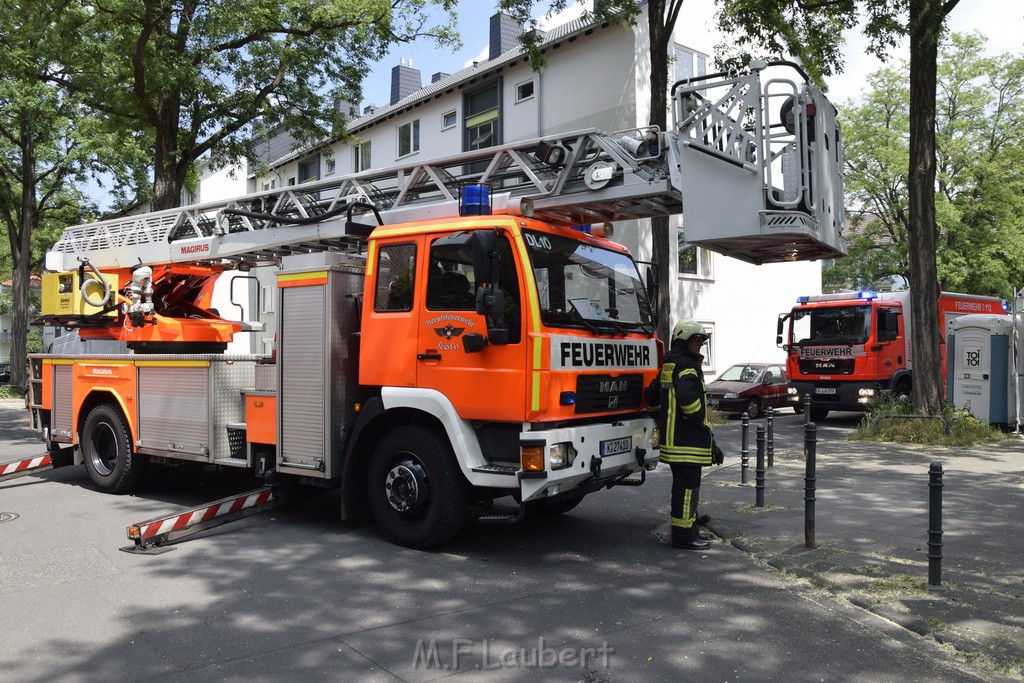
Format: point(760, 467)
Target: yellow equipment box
point(62, 293)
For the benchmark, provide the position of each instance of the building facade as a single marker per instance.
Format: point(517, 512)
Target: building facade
point(596, 78)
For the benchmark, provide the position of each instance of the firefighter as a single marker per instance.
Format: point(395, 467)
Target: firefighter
point(687, 441)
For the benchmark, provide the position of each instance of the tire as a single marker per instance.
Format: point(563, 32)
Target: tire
point(798, 408)
point(753, 408)
point(415, 489)
point(818, 414)
point(112, 464)
point(902, 392)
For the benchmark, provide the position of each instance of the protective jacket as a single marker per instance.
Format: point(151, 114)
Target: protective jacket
point(682, 404)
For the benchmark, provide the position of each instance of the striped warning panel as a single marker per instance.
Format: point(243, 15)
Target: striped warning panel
point(204, 517)
point(25, 466)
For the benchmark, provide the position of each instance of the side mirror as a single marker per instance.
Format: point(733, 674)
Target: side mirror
point(482, 244)
point(474, 343)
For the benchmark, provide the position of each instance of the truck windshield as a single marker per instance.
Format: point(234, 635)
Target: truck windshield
point(831, 325)
point(588, 287)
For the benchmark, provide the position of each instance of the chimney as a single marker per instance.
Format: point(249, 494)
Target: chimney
point(504, 34)
point(369, 109)
point(438, 76)
point(405, 80)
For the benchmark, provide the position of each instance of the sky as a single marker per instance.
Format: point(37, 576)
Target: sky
point(1003, 26)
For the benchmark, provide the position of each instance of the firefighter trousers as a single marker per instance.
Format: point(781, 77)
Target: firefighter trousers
point(685, 495)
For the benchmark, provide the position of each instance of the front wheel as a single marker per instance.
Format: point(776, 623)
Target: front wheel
point(107, 449)
point(753, 408)
point(798, 408)
point(416, 491)
point(818, 414)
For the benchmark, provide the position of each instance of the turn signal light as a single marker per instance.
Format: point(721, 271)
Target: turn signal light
point(532, 458)
point(134, 533)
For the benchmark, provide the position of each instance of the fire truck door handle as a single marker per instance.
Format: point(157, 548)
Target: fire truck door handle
point(428, 356)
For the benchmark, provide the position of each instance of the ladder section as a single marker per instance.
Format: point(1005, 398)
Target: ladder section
point(575, 178)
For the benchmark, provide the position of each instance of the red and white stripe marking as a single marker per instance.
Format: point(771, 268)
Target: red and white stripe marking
point(27, 464)
point(204, 514)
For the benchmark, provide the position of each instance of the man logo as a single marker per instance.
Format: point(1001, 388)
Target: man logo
point(609, 385)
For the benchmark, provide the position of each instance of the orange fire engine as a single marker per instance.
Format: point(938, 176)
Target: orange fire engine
point(438, 346)
point(844, 349)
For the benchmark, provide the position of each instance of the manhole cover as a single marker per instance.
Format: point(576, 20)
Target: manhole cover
point(8, 516)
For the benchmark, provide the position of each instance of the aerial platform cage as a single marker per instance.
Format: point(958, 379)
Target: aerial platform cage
point(759, 164)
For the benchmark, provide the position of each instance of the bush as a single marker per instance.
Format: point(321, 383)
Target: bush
point(11, 391)
point(892, 419)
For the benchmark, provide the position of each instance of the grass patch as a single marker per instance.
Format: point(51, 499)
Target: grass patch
point(894, 420)
point(899, 583)
point(11, 391)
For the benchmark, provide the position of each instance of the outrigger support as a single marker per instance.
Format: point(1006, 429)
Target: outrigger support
point(153, 536)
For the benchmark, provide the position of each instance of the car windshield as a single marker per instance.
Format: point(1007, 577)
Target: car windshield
point(584, 286)
point(831, 325)
point(742, 373)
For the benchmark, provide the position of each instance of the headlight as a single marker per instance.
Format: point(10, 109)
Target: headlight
point(559, 455)
point(792, 391)
point(730, 394)
point(866, 392)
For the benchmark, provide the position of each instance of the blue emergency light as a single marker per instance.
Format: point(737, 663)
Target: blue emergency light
point(475, 200)
point(867, 294)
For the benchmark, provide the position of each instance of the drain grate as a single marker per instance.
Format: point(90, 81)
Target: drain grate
point(8, 516)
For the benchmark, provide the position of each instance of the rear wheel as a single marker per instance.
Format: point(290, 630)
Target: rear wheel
point(107, 449)
point(416, 491)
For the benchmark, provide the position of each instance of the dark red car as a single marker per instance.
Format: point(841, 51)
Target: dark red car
point(749, 388)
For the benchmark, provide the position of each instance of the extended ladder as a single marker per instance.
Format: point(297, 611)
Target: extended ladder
point(760, 187)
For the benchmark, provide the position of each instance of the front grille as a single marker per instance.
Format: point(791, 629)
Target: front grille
point(602, 393)
point(826, 366)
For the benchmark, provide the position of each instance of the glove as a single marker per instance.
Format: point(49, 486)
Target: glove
point(717, 456)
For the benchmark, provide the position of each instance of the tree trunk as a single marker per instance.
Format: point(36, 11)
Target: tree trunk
point(663, 248)
point(168, 174)
point(925, 24)
point(20, 239)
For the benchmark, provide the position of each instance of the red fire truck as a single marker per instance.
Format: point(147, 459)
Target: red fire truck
point(844, 349)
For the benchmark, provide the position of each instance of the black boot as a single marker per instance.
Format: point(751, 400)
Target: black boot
point(689, 539)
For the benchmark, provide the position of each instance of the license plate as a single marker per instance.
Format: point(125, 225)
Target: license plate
point(613, 446)
point(825, 390)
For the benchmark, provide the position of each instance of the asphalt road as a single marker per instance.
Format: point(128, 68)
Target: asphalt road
point(294, 593)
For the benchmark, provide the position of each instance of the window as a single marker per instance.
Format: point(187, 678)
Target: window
point(309, 169)
point(291, 180)
point(481, 123)
point(396, 268)
point(688, 63)
point(693, 261)
point(361, 155)
point(267, 299)
point(448, 120)
point(524, 91)
point(409, 138)
point(708, 350)
point(331, 167)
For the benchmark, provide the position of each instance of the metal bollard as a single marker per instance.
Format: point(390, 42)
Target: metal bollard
point(807, 409)
point(935, 527)
point(759, 471)
point(810, 480)
point(744, 451)
point(770, 422)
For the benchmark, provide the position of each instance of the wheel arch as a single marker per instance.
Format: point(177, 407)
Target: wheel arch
point(98, 397)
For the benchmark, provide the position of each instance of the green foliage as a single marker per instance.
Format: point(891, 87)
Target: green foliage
point(10, 391)
point(194, 79)
point(892, 419)
point(980, 183)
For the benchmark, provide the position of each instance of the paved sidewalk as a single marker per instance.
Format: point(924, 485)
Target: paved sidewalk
point(871, 535)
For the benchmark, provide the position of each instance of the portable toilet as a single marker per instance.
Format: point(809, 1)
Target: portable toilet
point(978, 366)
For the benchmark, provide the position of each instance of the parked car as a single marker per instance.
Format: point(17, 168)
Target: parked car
point(5, 373)
point(749, 388)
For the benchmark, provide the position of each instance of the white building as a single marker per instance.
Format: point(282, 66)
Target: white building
point(596, 77)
